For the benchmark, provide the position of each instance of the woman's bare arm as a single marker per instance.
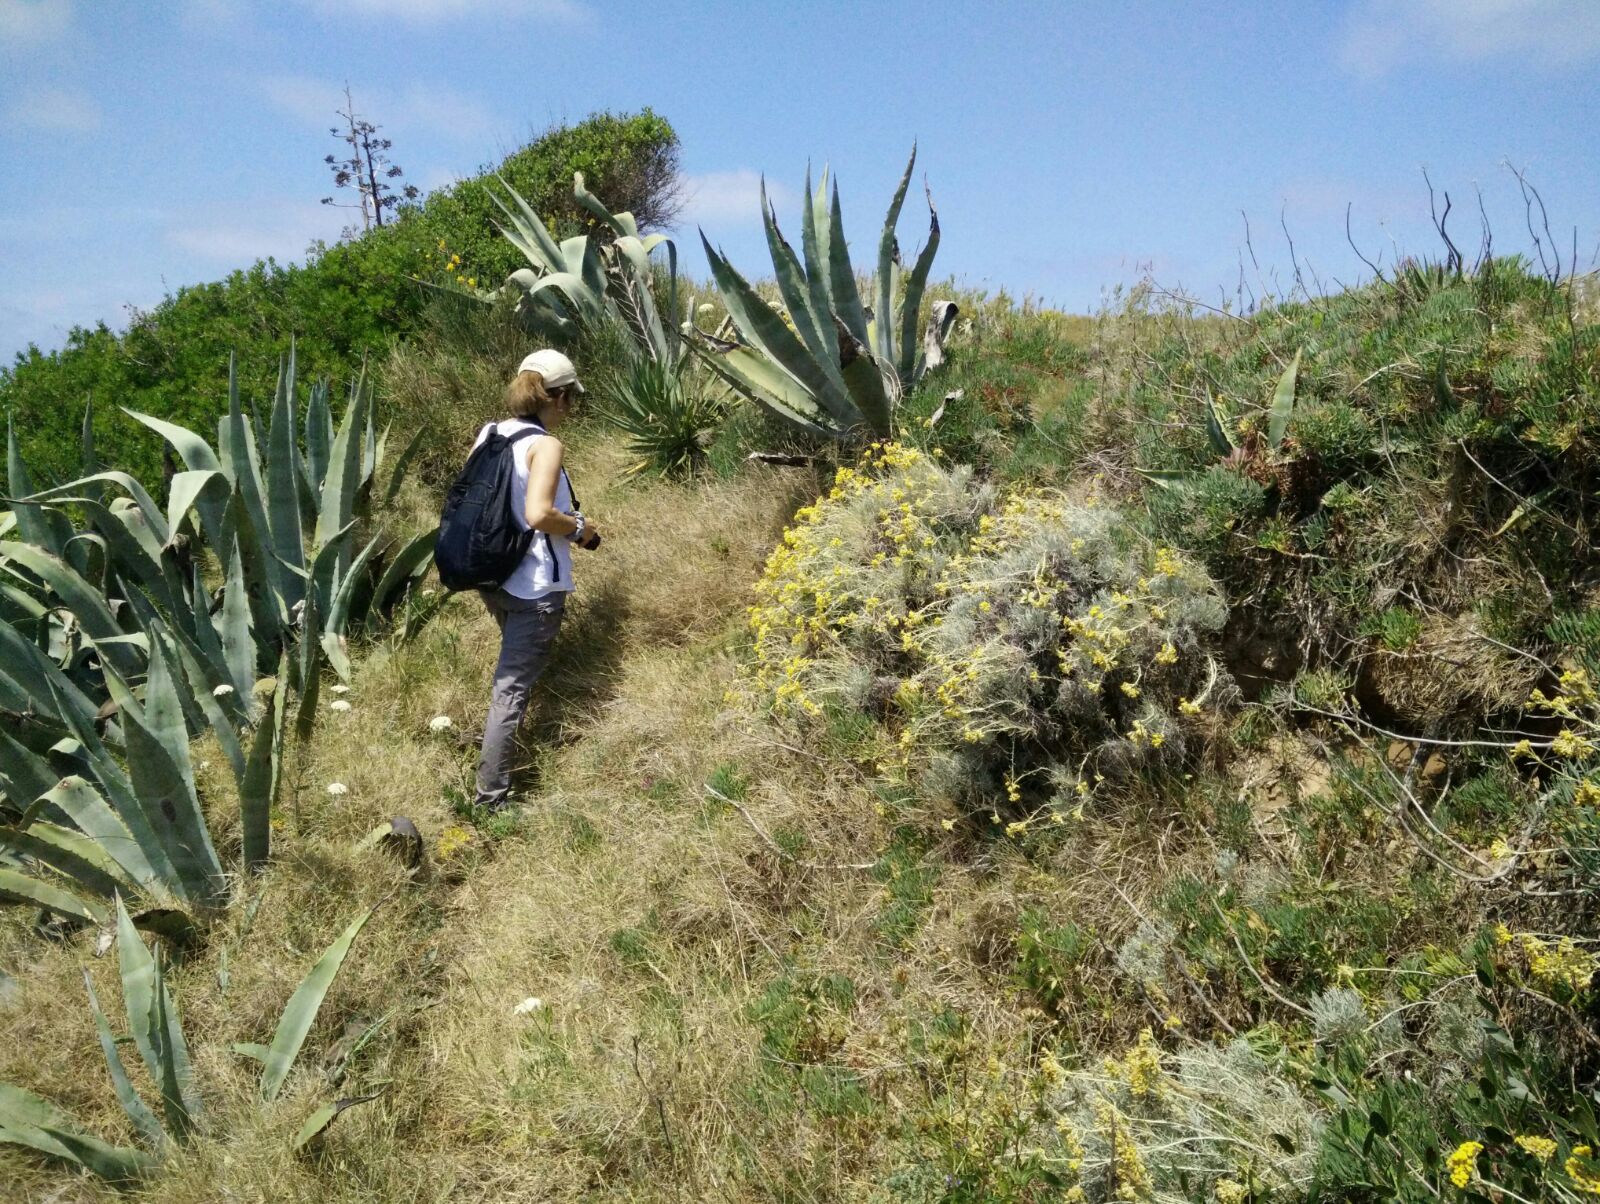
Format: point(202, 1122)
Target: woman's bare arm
point(544, 471)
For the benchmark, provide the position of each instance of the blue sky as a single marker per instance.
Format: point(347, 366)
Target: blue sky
point(1070, 146)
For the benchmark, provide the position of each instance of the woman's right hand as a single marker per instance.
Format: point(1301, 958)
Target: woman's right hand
point(591, 536)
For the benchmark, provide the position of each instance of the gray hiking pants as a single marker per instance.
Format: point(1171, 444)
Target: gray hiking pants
point(527, 631)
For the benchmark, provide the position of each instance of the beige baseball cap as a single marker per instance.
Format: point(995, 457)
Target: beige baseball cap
point(556, 369)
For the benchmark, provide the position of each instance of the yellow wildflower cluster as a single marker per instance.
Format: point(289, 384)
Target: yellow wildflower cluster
point(1559, 963)
point(1026, 618)
point(818, 587)
point(1128, 1170)
point(451, 841)
point(452, 266)
point(1463, 1163)
point(1583, 1172)
point(1541, 1148)
point(1140, 1068)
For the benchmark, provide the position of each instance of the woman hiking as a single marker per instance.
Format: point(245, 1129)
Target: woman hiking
point(527, 607)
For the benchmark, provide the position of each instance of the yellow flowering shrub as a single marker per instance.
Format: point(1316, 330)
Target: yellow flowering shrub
point(1020, 649)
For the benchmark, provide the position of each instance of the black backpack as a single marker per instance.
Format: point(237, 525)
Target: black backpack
point(480, 541)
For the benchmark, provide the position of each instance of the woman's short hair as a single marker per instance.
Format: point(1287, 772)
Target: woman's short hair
point(526, 394)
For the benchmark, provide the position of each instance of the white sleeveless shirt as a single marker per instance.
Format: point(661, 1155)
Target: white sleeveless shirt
point(547, 568)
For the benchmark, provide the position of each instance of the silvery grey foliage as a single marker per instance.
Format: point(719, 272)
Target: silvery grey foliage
point(1338, 1015)
point(1143, 956)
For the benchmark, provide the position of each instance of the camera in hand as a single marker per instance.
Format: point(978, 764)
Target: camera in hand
point(591, 541)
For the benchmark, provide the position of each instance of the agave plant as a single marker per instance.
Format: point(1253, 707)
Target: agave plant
point(115, 651)
point(1279, 413)
point(582, 283)
point(156, 1031)
point(829, 362)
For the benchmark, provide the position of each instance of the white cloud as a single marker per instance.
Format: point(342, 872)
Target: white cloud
point(54, 110)
point(734, 198)
point(33, 22)
point(427, 12)
point(1380, 35)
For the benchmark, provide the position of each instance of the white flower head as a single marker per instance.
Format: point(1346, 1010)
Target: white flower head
point(341, 688)
point(337, 788)
point(222, 691)
point(440, 723)
point(707, 309)
point(341, 706)
point(528, 1006)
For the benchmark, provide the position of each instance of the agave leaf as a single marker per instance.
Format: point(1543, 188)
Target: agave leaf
point(202, 680)
point(153, 1021)
point(641, 313)
point(90, 461)
point(621, 224)
point(310, 667)
point(195, 453)
point(913, 365)
point(1215, 430)
point(144, 1120)
point(269, 616)
point(773, 389)
point(766, 331)
point(883, 341)
point(302, 1008)
point(163, 781)
point(250, 1049)
point(1282, 404)
point(30, 776)
point(238, 643)
point(547, 254)
point(87, 604)
point(75, 856)
point(242, 464)
point(37, 524)
point(336, 511)
point(325, 569)
point(256, 787)
point(319, 436)
point(135, 548)
point(201, 489)
point(318, 1122)
point(90, 486)
point(864, 378)
point(19, 887)
point(402, 465)
point(409, 563)
point(28, 1120)
point(842, 276)
point(796, 292)
point(204, 629)
point(75, 798)
point(25, 663)
point(339, 605)
point(814, 239)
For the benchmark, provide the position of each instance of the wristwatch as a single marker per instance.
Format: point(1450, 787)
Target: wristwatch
point(577, 536)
